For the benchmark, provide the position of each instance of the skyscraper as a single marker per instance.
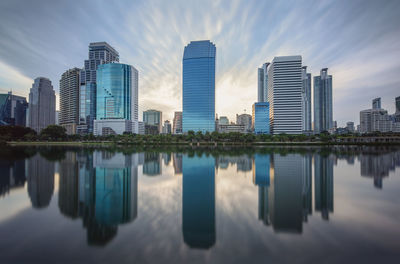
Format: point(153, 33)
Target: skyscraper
point(153, 117)
point(198, 83)
point(263, 83)
point(397, 113)
point(99, 53)
point(42, 104)
point(117, 99)
point(306, 96)
point(167, 127)
point(260, 118)
point(376, 103)
point(285, 95)
point(69, 100)
point(13, 110)
point(245, 120)
point(323, 114)
point(177, 123)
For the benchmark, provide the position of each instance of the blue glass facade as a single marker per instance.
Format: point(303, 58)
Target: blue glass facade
point(198, 85)
point(114, 91)
point(261, 118)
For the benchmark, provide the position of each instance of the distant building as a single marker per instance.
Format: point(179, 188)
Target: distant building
point(231, 128)
point(261, 114)
point(117, 99)
point(13, 110)
point(141, 129)
point(167, 127)
point(306, 97)
point(151, 129)
point(198, 87)
point(376, 103)
point(262, 95)
point(284, 95)
point(69, 100)
point(99, 53)
point(245, 120)
point(397, 113)
point(153, 118)
point(57, 117)
point(350, 127)
point(223, 120)
point(323, 113)
point(177, 123)
point(42, 104)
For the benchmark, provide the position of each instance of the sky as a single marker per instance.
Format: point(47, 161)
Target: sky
point(358, 40)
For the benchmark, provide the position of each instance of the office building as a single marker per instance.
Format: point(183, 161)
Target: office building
point(285, 95)
point(223, 120)
point(306, 99)
point(350, 127)
point(177, 123)
point(42, 104)
point(231, 128)
point(323, 115)
point(167, 127)
point(117, 99)
point(397, 113)
point(198, 86)
point(376, 103)
point(99, 53)
point(260, 120)
point(262, 95)
point(69, 100)
point(13, 110)
point(153, 118)
point(244, 120)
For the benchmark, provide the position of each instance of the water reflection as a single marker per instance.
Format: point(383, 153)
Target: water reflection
point(323, 185)
point(198, 201)
point(12, 175)
point(152, 164)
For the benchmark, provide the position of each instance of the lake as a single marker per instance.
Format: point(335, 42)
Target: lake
point(183, 205)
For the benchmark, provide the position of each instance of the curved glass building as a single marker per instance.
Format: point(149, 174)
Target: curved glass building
point(198, 85)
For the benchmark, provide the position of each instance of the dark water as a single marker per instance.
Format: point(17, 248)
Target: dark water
point(317, 205)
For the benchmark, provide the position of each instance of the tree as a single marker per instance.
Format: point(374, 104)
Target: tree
point(53, 132)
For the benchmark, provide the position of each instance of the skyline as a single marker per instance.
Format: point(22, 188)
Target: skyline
point(360, 49)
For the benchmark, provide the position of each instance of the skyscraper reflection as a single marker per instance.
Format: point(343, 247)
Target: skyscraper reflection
point(177, 162)
point(40, 179)
point(284, 190)
point(152, 164)
point(323, 173)
point(198, 201)
point(12, 175)
point(100, 187)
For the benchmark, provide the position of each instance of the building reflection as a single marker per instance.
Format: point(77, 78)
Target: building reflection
point(378, 165)
point(101, 188)
point(12, 175)
point(323, 173)
point(284, 190)
point(243, 162)
point(177, 162)
point(40, 178)
point(198, 201)
point(152, 164)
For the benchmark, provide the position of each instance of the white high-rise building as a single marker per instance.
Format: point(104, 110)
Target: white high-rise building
point(42, 104)
point(285, 85)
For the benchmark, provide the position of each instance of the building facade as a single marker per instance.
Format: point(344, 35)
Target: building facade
point(262, 95)
point(117, 99)
point(42, 104)
point(167, 127)
point(306, 99)
point(153, 118)
point(223, 120)
point(323, 112)
point(198, 83)
point(376, 103)
point(377, 120)
point(350, 127)
point(99, 53)
point(13, 110)
point(177, 123)
point(260, 122)
point(69, 100)
point(245, 120)
point(285, 87)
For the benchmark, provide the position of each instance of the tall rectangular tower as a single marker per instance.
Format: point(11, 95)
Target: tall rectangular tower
point(69, 100)
point(263, 83)
point(285, 86)
point(306, 99)
point(323, 113)
point(99, 53)
point(198, 83)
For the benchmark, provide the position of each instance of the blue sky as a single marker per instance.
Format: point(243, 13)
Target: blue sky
point(359, 41)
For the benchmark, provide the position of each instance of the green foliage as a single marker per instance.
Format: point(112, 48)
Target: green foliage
point(53, 132)
point(8, 133)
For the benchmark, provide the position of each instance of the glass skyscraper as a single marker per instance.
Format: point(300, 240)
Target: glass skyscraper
point(260, 117)
point(323, 117)
point(198, 85)
point(306, 98)
point(99, 53)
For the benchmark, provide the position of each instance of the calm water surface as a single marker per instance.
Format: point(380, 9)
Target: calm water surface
point(276, 205)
